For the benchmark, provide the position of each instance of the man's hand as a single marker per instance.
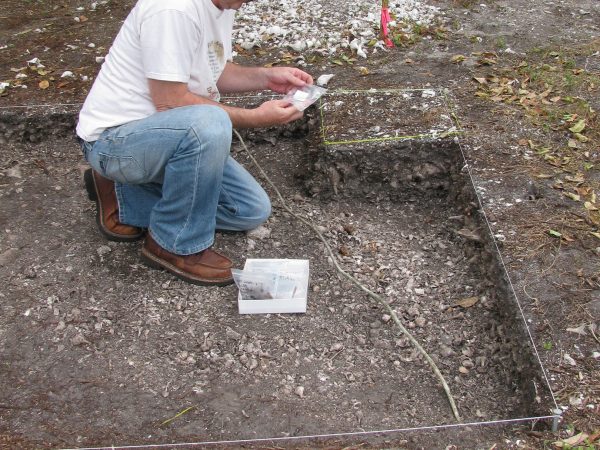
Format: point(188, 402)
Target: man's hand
point(275, 112)
point(283, 79)
point(237, 79)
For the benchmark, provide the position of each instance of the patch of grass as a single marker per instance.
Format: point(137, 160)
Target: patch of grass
point(501, 43)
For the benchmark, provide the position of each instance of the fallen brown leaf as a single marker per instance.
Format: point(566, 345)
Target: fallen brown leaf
point(467, 302)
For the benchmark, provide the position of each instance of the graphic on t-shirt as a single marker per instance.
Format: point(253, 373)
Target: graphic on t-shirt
point(216, 60)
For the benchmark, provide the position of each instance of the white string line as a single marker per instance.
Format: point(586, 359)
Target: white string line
point(41, 105)
point(323, 436)
point(330, 92)
point(512, 287)
point(242, 97)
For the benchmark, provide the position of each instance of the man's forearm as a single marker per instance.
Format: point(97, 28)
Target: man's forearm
point(236, 78)
point(168, 95)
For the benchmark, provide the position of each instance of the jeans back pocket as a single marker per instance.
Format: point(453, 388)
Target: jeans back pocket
point(123, 169)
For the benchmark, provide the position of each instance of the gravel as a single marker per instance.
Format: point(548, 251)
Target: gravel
point(321, 27)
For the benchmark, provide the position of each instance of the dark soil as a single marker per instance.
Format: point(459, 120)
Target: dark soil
point(97, 350)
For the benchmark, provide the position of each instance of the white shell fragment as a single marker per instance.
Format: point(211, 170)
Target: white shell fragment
point(326, 28)
point(569, 360)
point(324, 79)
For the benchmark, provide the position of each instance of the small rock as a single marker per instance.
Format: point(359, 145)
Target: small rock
point(446, 351)
point(463, 370)
point(350, 228)
point(480, 361)
point(575, 400)
point(467, 352)
point(345, 250)
point(413, 311)
point(420, 322)
point(300, 391)
point(324, 79)
point(232, 334)
point(14, 172)
point(259, 233)
point(469, 235)
point(336, 347)
point(79, 339)
point(29, 272)
point(103, 250)
point(593, 307)
point(569, 360)
point(206, 346)
point(8, 257)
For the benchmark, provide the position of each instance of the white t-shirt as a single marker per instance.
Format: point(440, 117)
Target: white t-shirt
point(187, 41)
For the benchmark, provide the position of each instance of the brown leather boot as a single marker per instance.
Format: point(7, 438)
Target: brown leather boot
point(207, 268)
point(102, 191)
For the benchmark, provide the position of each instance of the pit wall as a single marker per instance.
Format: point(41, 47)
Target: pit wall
point(36, 124)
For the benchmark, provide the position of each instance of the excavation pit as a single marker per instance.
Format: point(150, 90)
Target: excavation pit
point(116, 353)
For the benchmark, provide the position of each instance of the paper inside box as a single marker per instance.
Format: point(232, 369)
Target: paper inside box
point(273, 286)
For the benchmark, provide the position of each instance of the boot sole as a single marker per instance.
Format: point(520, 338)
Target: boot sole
point(156, 263)
point(92, 191)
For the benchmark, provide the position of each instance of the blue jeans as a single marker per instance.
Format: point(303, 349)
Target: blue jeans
point(173, 174)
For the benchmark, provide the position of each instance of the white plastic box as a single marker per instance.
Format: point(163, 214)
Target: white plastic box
point(273, 286)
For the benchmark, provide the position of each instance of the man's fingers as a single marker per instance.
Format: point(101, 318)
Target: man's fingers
point(283, 103)
point(291, 112)
point(296, 80)
point(305, 77)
